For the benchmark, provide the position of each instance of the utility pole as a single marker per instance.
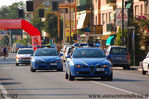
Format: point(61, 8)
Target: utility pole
point(64, 34)
point(70, 21)
point(123, 43)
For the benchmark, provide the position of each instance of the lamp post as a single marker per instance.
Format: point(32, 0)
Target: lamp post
point(122, 22)
point(70, 21)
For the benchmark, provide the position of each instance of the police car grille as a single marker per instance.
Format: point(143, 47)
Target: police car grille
point(92, 68)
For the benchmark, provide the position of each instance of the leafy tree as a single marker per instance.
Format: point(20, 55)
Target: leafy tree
point(25, 41)
point(4, 41)
point(118, 40)
point(51, 27)
point(36, 21)
point(11, 12)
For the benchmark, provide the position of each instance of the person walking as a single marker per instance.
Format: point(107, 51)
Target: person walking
point(4, 52)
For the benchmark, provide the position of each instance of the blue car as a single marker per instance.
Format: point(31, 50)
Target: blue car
point(46, 59)
point(88, 62)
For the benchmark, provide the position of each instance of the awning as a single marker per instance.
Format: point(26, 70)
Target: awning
point(110, 41)
point(128, 5)
point(81, 21)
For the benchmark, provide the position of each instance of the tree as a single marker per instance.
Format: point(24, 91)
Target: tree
point(119, 37)
point(5, 41)
point(11, 12)
point(36, 21)
point(51, 27)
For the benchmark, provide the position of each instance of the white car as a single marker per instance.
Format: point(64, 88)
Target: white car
point(67, 52)
point(24, 56)
point(145, 65)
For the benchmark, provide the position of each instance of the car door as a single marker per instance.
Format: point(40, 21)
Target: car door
point(146, 62)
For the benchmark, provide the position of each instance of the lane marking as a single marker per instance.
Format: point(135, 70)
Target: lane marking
point(134, 93)
point(4, 91)
point(131, 73)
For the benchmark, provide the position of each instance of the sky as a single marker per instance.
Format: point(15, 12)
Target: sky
point(8, 2)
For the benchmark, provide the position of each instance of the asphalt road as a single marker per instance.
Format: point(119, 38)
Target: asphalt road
point(21, 83)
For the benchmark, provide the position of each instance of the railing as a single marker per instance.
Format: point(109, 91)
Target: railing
point(83, 7)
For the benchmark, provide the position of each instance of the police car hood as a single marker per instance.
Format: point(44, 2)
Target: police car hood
point(47, 58)
point(90, 61)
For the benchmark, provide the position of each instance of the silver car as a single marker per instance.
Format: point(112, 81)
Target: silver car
point(24, 56)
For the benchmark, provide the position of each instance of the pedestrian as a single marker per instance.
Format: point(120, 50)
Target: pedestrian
point(4, 52)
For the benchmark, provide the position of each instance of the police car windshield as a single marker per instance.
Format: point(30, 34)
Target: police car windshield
point(88, 53)
point(46, 52)
point(25, 52)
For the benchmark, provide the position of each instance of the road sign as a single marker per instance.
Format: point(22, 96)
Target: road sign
point(119, 17)
point(99, 29)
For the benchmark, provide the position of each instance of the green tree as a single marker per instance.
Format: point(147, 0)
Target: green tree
point(51, 27)
point(36, 21)
point(11, 12)
point(118, 40)
point(4, 41)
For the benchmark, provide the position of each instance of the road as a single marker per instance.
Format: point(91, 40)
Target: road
point(20, 83)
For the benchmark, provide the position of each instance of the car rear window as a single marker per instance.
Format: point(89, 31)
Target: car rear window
point(118, 50)
point(25, 52)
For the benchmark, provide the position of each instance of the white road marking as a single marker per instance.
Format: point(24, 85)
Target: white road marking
point(119, 89)
point(4, 92)
point(132, 74)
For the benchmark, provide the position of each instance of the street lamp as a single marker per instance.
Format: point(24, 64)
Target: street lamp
point(122, 22)
point(70, 20)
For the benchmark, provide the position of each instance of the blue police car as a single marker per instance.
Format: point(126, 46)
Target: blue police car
point(88, 62)
point(46, 59)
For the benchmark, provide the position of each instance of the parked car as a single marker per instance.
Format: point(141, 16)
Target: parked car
point(16, 46)
point(63, 51)
point(145, 64)
point(67, 52)
point(88, 62)
point(24, 56)
point(119, 56)
point(46, 59)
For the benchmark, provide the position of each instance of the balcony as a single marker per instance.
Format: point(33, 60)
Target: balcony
point(142, 0)
point(111, 2)
point(83, 7)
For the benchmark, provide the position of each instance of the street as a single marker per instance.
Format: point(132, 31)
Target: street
point(20, 83)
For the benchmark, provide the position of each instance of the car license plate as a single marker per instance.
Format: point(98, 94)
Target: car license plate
point(53, 64)
point(100, 69)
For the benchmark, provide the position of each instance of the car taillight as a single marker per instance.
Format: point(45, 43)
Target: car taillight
point(109, 57)
point(128, 57)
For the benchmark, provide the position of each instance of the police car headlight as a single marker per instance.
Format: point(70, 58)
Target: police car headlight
point(38, 62)
point(57, 61)
point(80, 66)
point(98, 66)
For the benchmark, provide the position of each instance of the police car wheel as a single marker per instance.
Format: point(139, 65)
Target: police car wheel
point(17, 64)
point(66, 75)
point(32, 70)
point(71, 78)
point(143, 72)
point(109, 78)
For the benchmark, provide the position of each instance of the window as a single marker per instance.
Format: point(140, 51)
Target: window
point(66, 10)
point(141, 9)
point(103, 18)
point(96, 20)
point(110, 17)
point(106, 18)
point(136, 11)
